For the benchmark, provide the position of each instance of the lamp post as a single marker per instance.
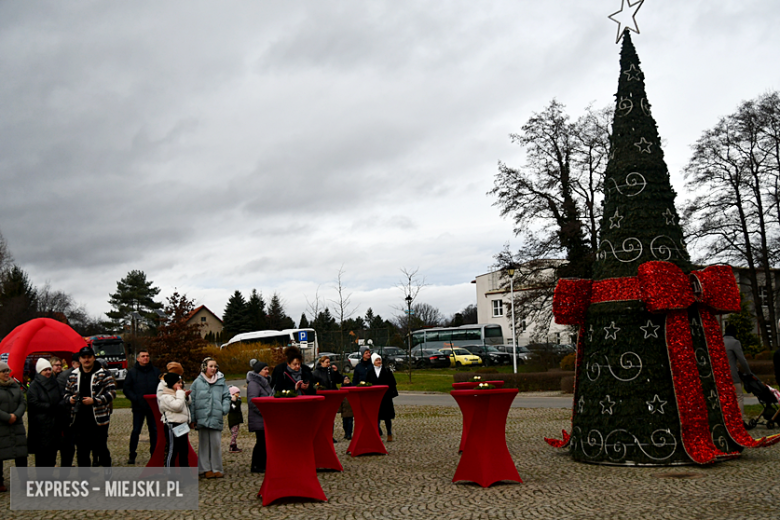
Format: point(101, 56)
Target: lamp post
point(409, 301)
point(511, 272)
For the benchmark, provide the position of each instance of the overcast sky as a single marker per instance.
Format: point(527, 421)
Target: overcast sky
point(236, 145)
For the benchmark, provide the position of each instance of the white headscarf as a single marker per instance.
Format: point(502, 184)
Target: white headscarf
point(377, 369)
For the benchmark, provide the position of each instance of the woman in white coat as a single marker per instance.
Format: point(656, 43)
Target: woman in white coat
point(175, 411)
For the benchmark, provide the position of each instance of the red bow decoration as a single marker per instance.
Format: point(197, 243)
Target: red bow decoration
point(665, 288)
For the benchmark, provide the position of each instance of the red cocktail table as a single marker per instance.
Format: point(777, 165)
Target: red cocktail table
point(158, 457)
point(324, 451)
point(290, 427)
point(365, 401)
point(468, 385)
point(486, 459)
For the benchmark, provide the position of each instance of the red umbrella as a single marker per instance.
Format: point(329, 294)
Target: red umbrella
point(41, 335)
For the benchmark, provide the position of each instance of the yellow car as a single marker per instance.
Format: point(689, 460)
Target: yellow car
point(461, 357)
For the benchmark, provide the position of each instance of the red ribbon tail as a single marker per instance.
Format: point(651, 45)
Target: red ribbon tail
point(555, 443)
point(690, 396)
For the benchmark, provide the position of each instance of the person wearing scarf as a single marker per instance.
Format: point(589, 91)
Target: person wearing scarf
point(13, 438)
point(210, 402)
point(293, 375)
point(45, 416)
point(379, 375)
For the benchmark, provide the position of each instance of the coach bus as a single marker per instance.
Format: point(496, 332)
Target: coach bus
point(448, 337)
point(304, 339)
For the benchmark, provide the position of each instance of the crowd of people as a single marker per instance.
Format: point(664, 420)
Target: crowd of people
point(69, 411)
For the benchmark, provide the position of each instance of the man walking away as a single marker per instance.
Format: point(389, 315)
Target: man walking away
point(90, 391)
point(736, 357)
point(142, 380)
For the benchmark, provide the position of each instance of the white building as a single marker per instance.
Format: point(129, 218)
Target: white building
point(493, 305)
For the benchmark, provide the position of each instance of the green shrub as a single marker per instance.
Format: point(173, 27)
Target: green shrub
point(568, 361)
point(763, 355)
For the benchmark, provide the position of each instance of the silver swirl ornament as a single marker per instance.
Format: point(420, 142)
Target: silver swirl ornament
point(629, 361)
point(625, 105)
point(662, 251)
point(635, 184)
point(631, 250)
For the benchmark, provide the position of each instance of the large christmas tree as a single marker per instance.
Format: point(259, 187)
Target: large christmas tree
point(652, 381)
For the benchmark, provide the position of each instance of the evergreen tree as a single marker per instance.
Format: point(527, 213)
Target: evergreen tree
point(745, 322)
point(235, 319)
point(304, 324)
point(18, 299)
point(133, 303)
point(626, 402)
point(277, 319)
point(255, 309)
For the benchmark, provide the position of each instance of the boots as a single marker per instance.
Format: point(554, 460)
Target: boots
point(389, 438)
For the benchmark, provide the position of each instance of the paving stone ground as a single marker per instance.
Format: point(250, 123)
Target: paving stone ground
point(414, 480)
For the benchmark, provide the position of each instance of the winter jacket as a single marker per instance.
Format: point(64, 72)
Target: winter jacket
point(361, 371)
point(256, 386)
point(141, 381)
point(386, 409)
point(735, 354)
point(45, 418)
point(281, 381)
point(326, 377)
point(103, 391)
point(209, 403)
point(62, 379)
point(234, 415)
point(174, 406)
point(13, 441)
point(345, 409)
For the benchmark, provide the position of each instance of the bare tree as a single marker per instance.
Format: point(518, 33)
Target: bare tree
point(554, 200)
point(342, 303)
point(411, 284)
point(316, 306)
point(6, 259)
point(735, 216)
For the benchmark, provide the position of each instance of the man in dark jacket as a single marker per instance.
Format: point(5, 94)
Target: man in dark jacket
point(142, 380)
point(363, 366)
point(68, 445)
point(736, 357)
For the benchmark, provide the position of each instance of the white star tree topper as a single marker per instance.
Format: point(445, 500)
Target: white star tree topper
point(626, 17)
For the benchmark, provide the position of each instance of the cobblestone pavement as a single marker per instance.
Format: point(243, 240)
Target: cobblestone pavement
point(414, 480)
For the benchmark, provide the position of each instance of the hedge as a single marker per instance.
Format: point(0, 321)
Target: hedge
point(529, 382)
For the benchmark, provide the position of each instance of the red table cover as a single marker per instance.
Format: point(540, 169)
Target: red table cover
point(365, 402)
point(290, 427)
point(158, 457)
point(486, 459)
point(324, 451)
point(468, 385)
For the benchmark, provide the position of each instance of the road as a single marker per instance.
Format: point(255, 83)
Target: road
point(524, 400)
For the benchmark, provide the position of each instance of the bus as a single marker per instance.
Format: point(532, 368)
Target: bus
point(112, 349)
point(304, 339)
point(448, 337)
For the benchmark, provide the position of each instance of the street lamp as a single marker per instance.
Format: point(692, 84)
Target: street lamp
point(409, 301)
point(511, 272)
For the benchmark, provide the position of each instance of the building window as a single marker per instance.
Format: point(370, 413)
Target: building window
point(762, 296)
point(203, 319)
point(498, 308)
point(523, 326)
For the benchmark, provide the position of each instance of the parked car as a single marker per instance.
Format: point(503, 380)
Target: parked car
point(392, 357)
point(490, 355)
point(335, 359)
point(353, 359)
point(553, 348)
point(461, 357)
point(523, 354)
point(429, 358)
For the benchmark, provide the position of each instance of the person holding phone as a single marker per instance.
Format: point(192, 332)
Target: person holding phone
point(293, 375)
point(174, 408)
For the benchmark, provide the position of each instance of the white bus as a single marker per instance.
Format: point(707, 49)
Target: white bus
point(304, 339)
point(448, 337)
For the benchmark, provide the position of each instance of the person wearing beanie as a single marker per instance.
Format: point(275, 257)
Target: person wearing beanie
point(174, 408)
point(736, 356)
point(379, 375)
point(235, 418)
point(13, 438)
point(210, 402)
point(258, 385)
point(44, 419)
point(363, 366)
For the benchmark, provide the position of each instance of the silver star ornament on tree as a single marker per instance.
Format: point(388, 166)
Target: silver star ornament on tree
point(626, 17)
